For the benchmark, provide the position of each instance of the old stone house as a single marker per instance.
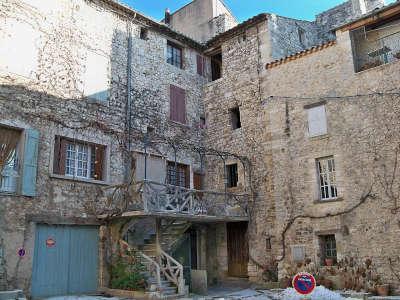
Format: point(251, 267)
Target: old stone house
point(197, 141)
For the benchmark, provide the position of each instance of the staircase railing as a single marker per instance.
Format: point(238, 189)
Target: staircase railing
point(153, 268)
point(172, 270)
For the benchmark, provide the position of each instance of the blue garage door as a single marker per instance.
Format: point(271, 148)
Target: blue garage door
point(65, 260)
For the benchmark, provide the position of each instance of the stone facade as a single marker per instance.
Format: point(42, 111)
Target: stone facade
point(50, 96)
point(63, 45)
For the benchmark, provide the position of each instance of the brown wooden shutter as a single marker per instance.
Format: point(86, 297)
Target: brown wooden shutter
point(186, 170)
point(177, 104)
point(62, 157)
point(200, 65)
point(56, 157)
point(99, 162)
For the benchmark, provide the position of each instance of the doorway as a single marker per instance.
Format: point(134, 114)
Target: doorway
point(238, 249)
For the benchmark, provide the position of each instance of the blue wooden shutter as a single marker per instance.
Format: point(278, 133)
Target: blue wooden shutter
point(29, 168)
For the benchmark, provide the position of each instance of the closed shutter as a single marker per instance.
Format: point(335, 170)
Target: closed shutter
point(177, 104)
point(29, 168)
point(317, 124)
point(100, 151)
point(200, 65)
point(60, 148)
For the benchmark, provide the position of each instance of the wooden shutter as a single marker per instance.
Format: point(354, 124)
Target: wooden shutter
point(100, 151)
point(200, 65)
point(56, 157)
point(186, 169)
point(317, 124)
point(29, 168)
point(177, 104)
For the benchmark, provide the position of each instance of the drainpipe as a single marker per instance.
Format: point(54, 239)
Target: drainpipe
point(129, 100)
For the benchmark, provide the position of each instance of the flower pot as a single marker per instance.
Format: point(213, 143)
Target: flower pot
point(329, 262)
point(382, 290)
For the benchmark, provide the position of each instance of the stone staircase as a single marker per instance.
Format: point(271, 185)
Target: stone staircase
point(171, 234)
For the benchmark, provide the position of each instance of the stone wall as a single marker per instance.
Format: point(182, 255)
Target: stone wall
point(242, 58)
point(362, 136)
point(49, 96)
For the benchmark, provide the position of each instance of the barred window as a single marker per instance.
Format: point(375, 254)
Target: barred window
point(178, 175)
point(329, 246)
point(232, 175)
point(327, 178)
point(174, 55)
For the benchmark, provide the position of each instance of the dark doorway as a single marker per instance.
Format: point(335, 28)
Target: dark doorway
point(238, 249)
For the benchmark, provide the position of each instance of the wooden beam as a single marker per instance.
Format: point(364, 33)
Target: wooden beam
point(373, 18)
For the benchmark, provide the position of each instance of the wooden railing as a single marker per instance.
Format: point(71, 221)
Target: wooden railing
point(158, 197)
point(153, 269)
point(172, 270)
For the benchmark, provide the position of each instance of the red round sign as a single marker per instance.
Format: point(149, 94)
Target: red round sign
point(50, 243)
point(304, 283)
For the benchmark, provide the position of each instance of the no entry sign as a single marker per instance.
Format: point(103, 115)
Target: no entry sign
point(304, 283)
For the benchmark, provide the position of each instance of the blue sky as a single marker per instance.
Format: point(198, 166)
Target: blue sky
point(244, 9)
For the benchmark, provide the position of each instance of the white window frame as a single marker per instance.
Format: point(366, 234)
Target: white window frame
point(326, 171)
point(75, 160)
point(317, 120)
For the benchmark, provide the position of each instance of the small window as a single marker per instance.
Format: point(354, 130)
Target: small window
point(201, 63)
point(298, 253)
point(327, 178)
point(78, 159)
point(317, 123)
point(144, 33)
point(302, 36)
point(268, 245)
point(177, 104)
point(174, 55)
point(328, 247)
point(232, 175)
point(235, 118)
point(178, 175)
point(202, 124)
point(216, 66)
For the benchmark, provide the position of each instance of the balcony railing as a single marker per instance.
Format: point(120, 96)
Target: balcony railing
point(153, 197)
point(373, 53)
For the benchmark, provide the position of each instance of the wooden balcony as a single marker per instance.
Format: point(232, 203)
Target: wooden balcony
point(164, 200)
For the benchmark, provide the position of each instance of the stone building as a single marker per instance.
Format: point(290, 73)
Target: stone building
point(196, 148)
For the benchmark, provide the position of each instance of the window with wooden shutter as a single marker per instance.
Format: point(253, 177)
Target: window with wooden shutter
point(178, 175)
point(200, 65)
point(317, 123)
point(79, 159)
point(177, 104)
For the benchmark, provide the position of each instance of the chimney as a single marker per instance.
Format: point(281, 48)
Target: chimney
point(167, 17)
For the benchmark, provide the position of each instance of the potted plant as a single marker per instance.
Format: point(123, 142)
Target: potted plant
point(382, 289)
point(329, 262)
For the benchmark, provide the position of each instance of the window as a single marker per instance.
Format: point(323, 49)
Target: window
point(317, 123)
point(232, 175)
point(78, 159)
point(268, 245)
point(202, 124)
point(18, 167)
point(235, 118)
point(327, 178)
point(177, 106)
point(298, 253)
point(216, 66)
point(174, 55)
point(144, 33)
point(201, 63)
point(328, 244)
point(302, 35)
point(178, 175)
point(9, 144)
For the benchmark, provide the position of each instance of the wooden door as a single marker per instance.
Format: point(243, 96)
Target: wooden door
point(238, 249)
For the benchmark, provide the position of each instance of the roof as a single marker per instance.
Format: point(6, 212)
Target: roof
point(235, 30)
point(158, 26)
point(373, 16)
point(300, 54)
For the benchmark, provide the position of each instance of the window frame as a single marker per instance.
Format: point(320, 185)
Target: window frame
point(327, 179)
point(181, 169)
point(329, 240)
point(232, 175)
point(235, 118)
point(172, 54)
point(58, 168)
